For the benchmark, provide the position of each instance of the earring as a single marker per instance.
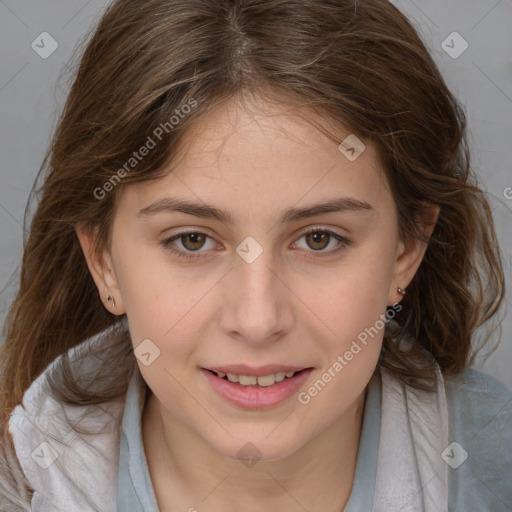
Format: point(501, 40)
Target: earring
point(400, 291)
point(110, 298)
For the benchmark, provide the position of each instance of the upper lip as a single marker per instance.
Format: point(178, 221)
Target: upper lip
point(242, 369)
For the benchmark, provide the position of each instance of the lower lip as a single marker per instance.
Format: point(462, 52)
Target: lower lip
point(256, 397)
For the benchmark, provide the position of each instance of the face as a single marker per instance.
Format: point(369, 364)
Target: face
point(256, 281)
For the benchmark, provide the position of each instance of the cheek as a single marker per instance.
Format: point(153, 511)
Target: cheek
point(157, 308)
point(354, 317)
point(351, 301)
point(352, 313)
point(154, 293)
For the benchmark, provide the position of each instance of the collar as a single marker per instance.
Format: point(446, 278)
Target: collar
point(135, 489)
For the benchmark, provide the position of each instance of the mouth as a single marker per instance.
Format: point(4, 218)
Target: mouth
point(256, 388)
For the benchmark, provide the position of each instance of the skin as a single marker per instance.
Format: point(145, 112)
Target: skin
point(291, 305)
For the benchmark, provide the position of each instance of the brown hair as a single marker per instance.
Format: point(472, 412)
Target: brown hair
point(360, 64)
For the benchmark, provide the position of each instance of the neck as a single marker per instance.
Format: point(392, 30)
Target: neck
point(188, 473)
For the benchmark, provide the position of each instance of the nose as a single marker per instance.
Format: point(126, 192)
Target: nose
point(257, 305)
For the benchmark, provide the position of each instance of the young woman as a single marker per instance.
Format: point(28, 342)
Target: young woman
point(254, 274)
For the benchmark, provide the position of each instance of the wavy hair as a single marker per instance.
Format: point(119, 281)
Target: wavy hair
point(356, 64)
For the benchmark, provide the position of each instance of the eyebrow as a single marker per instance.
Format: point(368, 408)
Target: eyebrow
point(206, 211)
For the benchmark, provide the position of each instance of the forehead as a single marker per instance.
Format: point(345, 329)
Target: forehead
point(254, 155)
point(258, 130)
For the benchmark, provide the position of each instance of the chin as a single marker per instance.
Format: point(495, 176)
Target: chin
point(257, 447)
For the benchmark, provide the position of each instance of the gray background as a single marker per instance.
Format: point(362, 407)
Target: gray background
point(33, 89)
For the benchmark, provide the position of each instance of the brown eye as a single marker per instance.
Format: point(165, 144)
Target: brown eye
point(324, 242)
point(197, 240)
point(318, 240)
point(188, 244)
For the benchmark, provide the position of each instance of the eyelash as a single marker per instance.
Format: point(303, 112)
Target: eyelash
point(344, 242)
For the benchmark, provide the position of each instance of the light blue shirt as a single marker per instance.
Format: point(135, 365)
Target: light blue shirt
point(480, 419)
point(134, 489)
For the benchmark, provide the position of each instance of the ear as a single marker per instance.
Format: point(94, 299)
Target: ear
point(410, 254)
point(102, 270)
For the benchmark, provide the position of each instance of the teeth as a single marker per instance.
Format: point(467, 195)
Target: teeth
point(267, 380)
point(250, 380)
point(246, 380)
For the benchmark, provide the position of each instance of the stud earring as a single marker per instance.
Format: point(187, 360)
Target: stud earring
point(400, 291)
point(110, 298)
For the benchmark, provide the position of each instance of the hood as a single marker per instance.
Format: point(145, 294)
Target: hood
point(69, 453)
